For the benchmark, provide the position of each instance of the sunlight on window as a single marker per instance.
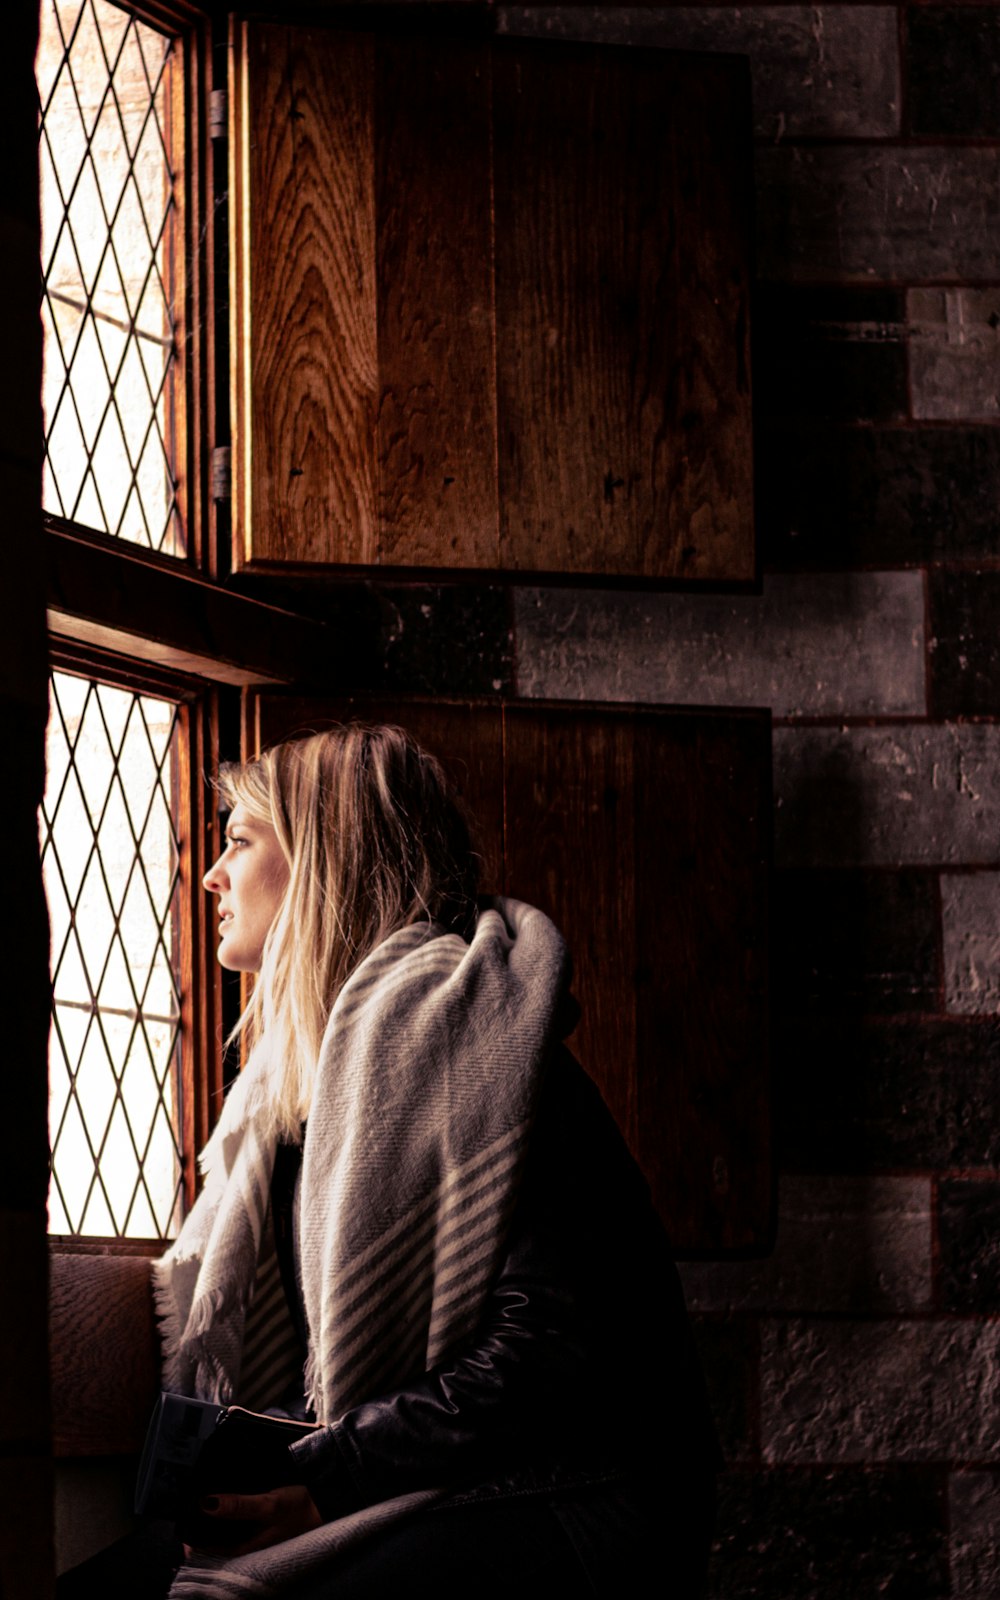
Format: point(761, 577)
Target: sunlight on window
point(109, 859)
point(108, 262)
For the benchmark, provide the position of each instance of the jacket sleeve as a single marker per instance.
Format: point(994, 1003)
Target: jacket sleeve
point(586, 1295)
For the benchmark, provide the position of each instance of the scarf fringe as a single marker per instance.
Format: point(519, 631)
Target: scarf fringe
point(169, 1318)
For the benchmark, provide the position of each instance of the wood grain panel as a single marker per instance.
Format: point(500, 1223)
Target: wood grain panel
point(490, 305)
point(644, 835)
point(710, 480)
point(702, 816)
point(567, 174)
point(434, 268)
point(306, 132)
point(465, 738)
point(570, 848)
point(105, 1360)
point(613, 367)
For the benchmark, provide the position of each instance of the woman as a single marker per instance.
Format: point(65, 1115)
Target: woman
point(420, 1226)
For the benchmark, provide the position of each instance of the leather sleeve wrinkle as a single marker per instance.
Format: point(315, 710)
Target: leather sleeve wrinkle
point(576, 1306)
point(503, 1388)
point(523, 1368)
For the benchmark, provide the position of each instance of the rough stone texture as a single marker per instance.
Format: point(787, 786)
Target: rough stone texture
point(449, 639)
point(969, 1245)
point(954, 337)
point(851, 1097)
point(845, 1534)
point(970, 916)
point(816, 69)
point(880, 1391)
point(809, 644)
point(422, 638)
point(887, 796)
point(854, 941)
point(837, 497)
point(729, 1348)
point(974, 1520)
point(866, 213)
point(843, 1244)
point(952, 56)
point(964, 647)
point(830, 353)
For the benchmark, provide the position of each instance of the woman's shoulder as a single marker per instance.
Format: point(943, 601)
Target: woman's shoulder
point(578, 1145)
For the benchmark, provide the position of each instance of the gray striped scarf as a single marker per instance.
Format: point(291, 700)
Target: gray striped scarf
point(425, 1091)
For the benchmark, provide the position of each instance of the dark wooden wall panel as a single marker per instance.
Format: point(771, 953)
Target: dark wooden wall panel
point(644, 833)
point(585, 315)
point(437, 400)
point(569, 848)
point(709, 466)
point(702, 806)
point(306, 360)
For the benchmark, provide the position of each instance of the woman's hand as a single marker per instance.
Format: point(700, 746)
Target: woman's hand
point(277, 1515)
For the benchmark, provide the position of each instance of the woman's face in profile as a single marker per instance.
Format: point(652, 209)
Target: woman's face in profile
point(250, 877)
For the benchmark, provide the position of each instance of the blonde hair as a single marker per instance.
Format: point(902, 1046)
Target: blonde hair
point(374, 839)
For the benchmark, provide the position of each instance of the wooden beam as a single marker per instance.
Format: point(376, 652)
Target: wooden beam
point(105, 593)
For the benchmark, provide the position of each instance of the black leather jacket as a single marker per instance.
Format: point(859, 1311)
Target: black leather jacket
point(582, 1364)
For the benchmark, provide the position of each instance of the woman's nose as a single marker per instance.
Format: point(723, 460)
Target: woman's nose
point(212, 881)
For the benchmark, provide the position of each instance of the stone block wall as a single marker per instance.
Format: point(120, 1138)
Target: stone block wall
point(857, 1370)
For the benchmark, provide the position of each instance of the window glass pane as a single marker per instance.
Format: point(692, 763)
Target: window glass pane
point(109, 237)
point(110, 861)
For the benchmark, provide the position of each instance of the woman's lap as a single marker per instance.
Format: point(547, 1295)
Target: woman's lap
point(510, 1547)
point(601, 1543)
point(605, 1541)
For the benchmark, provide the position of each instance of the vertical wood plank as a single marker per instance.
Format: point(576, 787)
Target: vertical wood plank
point(702, 810)
point(201, 988)
point(197, 338)
point(308, 299)
point(710, 482)
point(465, 738)
point(619, 337)
point(434, 270)
point(241, 396)
point(570, 848)
point(643, 834)
point(566, 171)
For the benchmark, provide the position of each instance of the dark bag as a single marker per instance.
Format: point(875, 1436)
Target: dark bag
point(195, 1448)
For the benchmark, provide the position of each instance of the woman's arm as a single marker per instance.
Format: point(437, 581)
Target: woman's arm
point(586, 1293)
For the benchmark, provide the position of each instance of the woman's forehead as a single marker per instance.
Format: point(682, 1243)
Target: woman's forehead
point(241, 817)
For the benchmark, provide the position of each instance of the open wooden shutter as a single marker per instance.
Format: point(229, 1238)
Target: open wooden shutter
point(644, 833)
point(490, 306)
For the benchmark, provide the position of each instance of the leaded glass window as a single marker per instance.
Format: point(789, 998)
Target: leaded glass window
point(110, 861)
point(110, 247)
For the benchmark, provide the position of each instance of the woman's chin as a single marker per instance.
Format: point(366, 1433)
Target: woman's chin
point(228, 955)
point(233, 959)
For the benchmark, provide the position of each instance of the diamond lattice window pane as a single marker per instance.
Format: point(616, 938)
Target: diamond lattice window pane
point(110, 859)
point(109, 247)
